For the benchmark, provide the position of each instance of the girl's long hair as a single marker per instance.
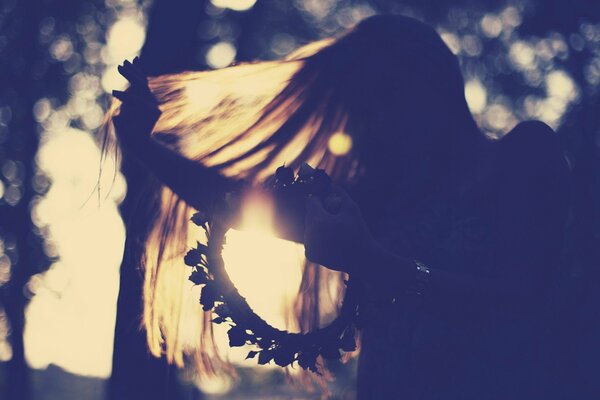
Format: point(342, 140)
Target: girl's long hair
point(244, 120)
point(248, 119)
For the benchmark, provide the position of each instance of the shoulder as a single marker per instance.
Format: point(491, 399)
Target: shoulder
point(531, 136)
point(533, 144)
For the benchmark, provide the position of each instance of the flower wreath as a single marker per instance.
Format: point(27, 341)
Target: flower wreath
point(221, 296)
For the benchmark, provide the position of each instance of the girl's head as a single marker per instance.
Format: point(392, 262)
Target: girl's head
point(390, 83)
point(401, 92)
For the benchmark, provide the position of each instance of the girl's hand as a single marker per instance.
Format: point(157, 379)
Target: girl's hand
point(337, 240)
point(139, 109)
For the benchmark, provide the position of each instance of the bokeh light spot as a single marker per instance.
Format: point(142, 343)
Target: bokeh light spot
point(125, 37)
point(4, 269)
point(62, 48)
point(522, 55)
point(5, 349)
point(491, 25)
point(340, 143)
point(236, 5)
point(497, 117)
point(282, 44)
point(476, 95)
point(472, 45)
point(41, 109)
point(221, 55)
point(559, 84)
point(452, 41)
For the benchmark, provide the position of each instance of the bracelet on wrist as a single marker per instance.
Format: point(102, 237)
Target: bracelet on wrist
point(422, 275)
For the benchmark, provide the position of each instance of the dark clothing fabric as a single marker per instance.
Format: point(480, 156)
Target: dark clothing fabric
point(505, 225)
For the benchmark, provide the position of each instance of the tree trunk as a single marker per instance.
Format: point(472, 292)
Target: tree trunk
point(170, 47)
point(20, 90)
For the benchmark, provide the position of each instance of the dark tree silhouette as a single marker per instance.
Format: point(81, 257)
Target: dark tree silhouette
point(170, 46)
point(22, 82)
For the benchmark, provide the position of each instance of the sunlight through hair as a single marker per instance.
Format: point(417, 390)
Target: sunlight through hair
point(350, 105)
point(245, 121)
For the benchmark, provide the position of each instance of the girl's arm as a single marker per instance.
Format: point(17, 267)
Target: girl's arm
point(528, 226)
point(197, 185)
point(528, 231)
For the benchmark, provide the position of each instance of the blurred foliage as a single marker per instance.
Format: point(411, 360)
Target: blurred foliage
point(522, 59)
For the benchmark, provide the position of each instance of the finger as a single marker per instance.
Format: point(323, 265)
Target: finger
point(314, 208)
point(137, 67)
point(341, 199)
point(128, 97)
point(336, 189)
point(133, 99)
point(119, 123)
point(136, 63)
point(138, 82)
point(123, 96)
point(333, 203)
point(130, 74)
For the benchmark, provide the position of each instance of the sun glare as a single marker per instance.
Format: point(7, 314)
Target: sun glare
point(266, 270)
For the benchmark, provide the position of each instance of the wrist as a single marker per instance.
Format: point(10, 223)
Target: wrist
point(390, 270)
point(369, 263)
point(135, 145)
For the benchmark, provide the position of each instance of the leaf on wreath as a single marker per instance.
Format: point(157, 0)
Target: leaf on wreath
point(307, 359)
point(305, 171)
point(264, 343)
point(202, 248)
point(252, 339)
point(199, 218)
point(265, 356)
point(284, 356)
point(219, 320)
point(237, 336)
point(331, 353)
point(199, 277)
point(193, 257)
point(251, 354)
point(284, 175)
point(208, 296)
point(222, 310)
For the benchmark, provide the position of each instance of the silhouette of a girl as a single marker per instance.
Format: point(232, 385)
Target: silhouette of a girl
point(454, 235)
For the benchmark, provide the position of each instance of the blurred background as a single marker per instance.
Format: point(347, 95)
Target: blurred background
point(67, 332)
